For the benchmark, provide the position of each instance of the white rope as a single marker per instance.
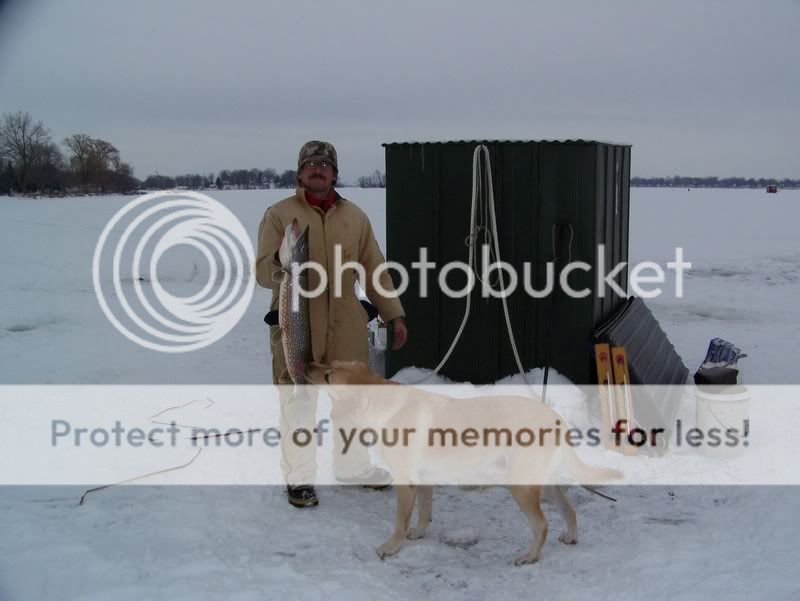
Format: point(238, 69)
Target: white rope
point(493, 234)
point(490, 233)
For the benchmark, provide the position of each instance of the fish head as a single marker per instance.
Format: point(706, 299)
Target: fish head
point(294, 246)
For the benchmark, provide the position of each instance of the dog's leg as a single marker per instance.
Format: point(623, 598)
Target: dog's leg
point(424, 510)
point(556, 493)
point(527, 497)
point(405, 505)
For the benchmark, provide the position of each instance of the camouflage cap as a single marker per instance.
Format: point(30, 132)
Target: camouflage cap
point(317, 151)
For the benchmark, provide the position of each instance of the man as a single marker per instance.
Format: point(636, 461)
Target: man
point(338, 325)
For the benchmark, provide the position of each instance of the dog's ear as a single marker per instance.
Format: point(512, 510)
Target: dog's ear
point(316, 372)
point(362, 372)
point(351, 367)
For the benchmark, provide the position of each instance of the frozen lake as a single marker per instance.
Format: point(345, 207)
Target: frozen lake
point(247, 543)
point(743, 286)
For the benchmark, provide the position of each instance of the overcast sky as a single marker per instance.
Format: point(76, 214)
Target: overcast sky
point(698, 88)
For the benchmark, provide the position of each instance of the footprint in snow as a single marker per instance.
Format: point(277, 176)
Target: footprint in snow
point(463, 539)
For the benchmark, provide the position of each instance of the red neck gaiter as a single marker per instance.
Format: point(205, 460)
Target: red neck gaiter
point(322, 203)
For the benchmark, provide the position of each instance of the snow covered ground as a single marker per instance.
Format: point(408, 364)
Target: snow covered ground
point(247, 543)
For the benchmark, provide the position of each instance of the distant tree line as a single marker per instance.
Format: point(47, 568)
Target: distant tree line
point(245, 179)
point(678, 181)
point(227, 179)
point(31, 162)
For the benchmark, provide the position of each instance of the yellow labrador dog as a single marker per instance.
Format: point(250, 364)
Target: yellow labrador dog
point(471, 432)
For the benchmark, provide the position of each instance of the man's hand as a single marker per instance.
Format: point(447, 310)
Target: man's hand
point(400, 333)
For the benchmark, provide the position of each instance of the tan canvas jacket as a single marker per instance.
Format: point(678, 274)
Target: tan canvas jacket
point(338, 325)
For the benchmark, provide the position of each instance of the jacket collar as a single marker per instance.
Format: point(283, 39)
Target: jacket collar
point(300, 193)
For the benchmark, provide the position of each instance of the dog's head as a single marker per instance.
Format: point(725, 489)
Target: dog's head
point(341, 373)
point(347, 383)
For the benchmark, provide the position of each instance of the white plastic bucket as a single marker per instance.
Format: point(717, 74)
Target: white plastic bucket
point(377, 349)
point(718, 410)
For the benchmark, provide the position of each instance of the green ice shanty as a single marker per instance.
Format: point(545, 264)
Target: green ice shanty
point(561, 198)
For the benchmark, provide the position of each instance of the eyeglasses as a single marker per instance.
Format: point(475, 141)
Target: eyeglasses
point(321, 164)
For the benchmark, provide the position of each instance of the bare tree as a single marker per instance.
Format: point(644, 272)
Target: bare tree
point(24, 143)
point(95, 162)
point(6, 177)
point(159, 182)
point(104, 161)
point(254, 178)
point(122, 179)
point(48, 169)
point(376, 180)
point(270, 176)
point(81, 147)
point(287, 179)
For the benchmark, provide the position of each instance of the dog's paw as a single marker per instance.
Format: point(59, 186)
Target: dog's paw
point(525, 560)
point(387, 549)
point(567, 539)
point(415, 533)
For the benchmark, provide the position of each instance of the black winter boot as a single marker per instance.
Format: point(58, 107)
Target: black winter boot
point(302, 496)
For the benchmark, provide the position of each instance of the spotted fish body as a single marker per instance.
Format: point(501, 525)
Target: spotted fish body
point(295, 325)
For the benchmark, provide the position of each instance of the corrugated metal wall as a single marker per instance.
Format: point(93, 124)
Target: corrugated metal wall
point(536, 185)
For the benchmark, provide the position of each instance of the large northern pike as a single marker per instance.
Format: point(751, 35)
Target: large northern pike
point(295, 325)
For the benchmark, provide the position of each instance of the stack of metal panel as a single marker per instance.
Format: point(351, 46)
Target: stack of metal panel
point(652, 361)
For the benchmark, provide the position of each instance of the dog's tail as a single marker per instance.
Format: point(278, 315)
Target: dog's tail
point(585, 473)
